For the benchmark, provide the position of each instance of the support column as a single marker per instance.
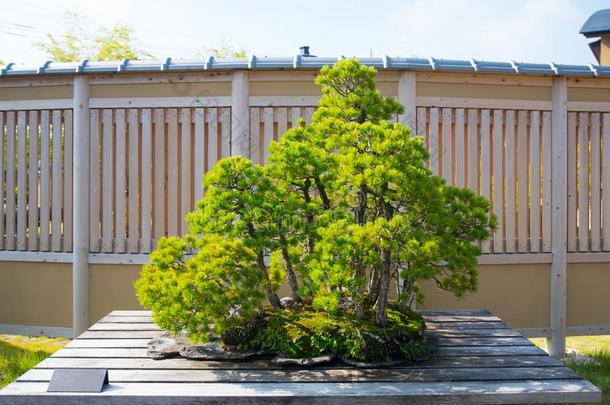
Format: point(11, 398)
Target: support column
point(407, 97)
point(81, 191)
point(407, 92)
point(240, 114)
point(556, 343)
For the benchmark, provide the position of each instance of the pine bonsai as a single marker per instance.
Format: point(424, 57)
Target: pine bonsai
point(346, 213)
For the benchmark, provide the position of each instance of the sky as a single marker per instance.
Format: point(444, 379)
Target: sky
point(494, 30)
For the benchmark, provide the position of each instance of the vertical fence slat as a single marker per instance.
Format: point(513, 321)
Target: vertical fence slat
point(57, 184)
point(159, 182)
point(547, 181)
point(421, 123)
point(225, 132)
point(94, 181)
point(45, 190)
point(33, 181)
point(595, 184)
point(308, 114)
point(120, 182)
point(255, 127)
point(10, 180)
point(21, 180)
point(572, 196)
point(268, 132)
point(282, 122)
point(107, 181)
point(522, 159)
point(485, 164)
point(460, 149)
point(172, 172)
point(534, 222)
point(213, 141)
point(447, 145)
point(199, 152)
point(185, 166)
point(583, 182)
point(68, 156)
point(606, 179)
point(146, 195)
point(295, 114)
point(510, 181)
point(255, 146)
point(433, 143)
point(2, 205)
point(498, 180)
point(473, 151)
point(132, 188)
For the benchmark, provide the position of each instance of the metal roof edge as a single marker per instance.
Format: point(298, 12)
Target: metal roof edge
point(299, 62)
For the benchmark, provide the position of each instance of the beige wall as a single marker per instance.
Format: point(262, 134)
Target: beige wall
point(37, 294)
point(588, 294)
point(112, 288)
point(517, 294)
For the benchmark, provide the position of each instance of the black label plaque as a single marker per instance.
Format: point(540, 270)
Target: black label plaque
point(78, 380)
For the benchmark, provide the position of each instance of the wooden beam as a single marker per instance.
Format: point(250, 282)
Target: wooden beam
point(240, 114)
point(406, 97)
point(80, 253)
point(556, 343)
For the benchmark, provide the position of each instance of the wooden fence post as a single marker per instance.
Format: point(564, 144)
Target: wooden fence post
point(556, 343)
point(80, 195)
point(240, 114)
point(407, 97)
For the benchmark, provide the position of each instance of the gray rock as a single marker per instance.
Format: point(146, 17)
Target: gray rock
point(166, 346)
point(308, 361)
point(214, 350)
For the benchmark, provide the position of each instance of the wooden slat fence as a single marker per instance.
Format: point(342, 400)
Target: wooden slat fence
point(503, 155)
point(147, 170)
point(36, 179)
point(147, 165)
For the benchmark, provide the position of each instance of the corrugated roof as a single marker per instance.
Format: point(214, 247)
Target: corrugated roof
point(299, 62)
point(597, 24)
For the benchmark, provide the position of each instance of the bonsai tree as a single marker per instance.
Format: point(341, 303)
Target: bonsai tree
point(345, 212)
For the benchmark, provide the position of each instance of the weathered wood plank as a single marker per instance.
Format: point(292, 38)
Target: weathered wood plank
point(461, 318)
point(559, 391)
point(131, 313)
point(466, 325)
point(126, 319)
point(328, 375)
point(108, 343)
point(120, 334)
point(450, 333)
point(179, 363)
point(447, 351)
point(124, 326)
point(440, 341)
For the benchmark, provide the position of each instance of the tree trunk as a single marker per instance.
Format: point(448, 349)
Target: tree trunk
point(384, 287)
point(271, 295)
point(260, 263)
point(359, 271)
point(308, 216)
point(292, 278)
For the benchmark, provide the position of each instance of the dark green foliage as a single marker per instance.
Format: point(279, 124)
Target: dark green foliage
point(345, 212)
point(304, 332)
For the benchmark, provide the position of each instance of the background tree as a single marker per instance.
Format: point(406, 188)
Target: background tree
point(80, 41)
point(225, 51)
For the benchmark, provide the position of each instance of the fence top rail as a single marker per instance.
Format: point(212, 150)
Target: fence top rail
point(301, 62)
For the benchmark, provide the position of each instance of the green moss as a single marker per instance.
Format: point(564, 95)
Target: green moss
point(301, 332)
